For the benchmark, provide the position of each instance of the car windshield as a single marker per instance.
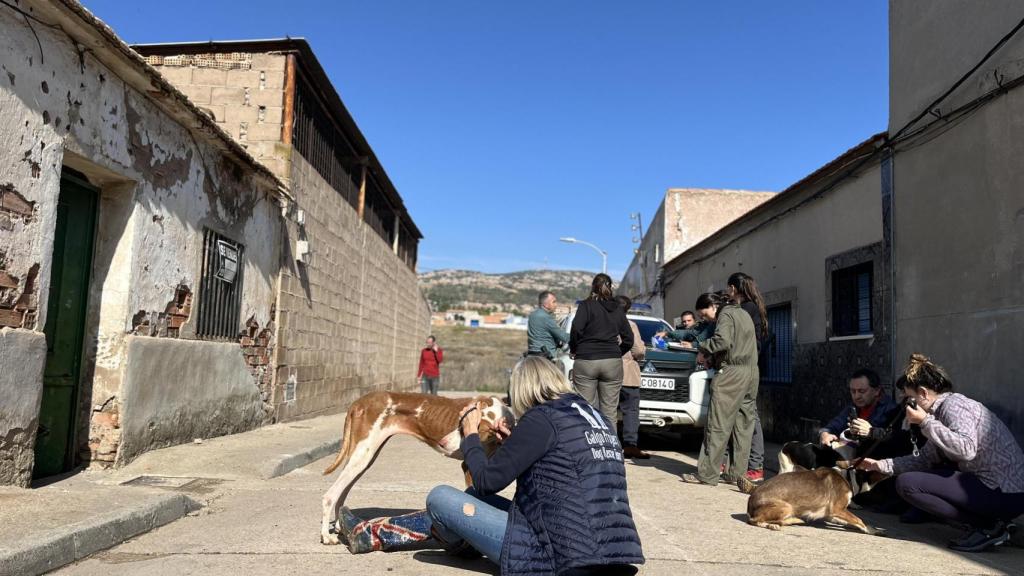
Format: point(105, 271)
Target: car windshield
point(648, 327)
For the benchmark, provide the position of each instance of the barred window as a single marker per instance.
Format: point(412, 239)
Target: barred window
point(851, 300)
point(220, 288)
point(780, 346)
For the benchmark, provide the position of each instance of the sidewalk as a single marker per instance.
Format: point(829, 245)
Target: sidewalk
point(44, 528)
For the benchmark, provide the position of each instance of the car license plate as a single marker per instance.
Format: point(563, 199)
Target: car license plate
point(657, 383)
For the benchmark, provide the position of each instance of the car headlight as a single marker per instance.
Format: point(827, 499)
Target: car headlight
point(649, 368)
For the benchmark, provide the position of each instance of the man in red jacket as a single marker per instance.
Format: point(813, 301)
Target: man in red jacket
point(429, 373)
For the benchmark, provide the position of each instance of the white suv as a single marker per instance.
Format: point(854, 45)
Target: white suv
point(671, 393)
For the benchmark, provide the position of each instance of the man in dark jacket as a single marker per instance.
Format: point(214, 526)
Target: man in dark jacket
point(543, 336)
point(873, 410)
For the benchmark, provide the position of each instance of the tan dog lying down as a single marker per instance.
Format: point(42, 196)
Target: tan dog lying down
point(376, 417)
point(801, 496)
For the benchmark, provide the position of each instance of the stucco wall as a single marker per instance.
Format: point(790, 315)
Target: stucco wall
point(790, 252)
point(22, 356)
point(179, 390)
point(959, 205)
point(353, 320)
point(160, 184)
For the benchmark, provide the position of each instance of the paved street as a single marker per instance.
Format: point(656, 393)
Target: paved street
point(260, 527)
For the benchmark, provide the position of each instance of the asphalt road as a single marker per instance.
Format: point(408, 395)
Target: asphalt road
point(259, 527)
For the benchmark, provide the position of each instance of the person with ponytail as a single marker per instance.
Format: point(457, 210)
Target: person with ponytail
point(743, 290)
point(599, 337)
point(732, 350)
point(985, 488)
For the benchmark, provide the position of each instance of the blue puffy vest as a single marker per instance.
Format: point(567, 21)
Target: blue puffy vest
point(571, 508)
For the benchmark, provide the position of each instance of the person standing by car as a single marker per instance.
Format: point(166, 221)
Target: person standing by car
point(429, 372)
point(743, 290)
point(629, 395)
point(543, 336)
point(599, 337)
point(733, 351)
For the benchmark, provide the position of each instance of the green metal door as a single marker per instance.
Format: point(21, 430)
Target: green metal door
point(65, 326)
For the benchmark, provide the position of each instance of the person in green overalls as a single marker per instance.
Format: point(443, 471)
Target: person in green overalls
point(733, 350)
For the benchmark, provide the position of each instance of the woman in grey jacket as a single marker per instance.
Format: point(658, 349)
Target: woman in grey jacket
point(986, 489)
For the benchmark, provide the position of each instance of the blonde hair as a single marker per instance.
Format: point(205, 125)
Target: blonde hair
point(535, 380)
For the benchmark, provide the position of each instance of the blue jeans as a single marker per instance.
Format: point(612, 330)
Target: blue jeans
point(484, 529)
point(428, 385)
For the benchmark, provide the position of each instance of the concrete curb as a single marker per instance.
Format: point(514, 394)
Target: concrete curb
point(290, 462)
point(74, 542)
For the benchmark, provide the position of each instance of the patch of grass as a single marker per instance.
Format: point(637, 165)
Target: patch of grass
point(478, 358)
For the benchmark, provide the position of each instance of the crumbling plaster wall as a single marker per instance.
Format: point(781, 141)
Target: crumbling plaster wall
point(55, 96)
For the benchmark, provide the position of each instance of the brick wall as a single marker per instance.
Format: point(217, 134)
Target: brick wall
point(352, 320)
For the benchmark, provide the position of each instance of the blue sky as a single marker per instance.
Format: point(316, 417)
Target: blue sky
point(505, 125)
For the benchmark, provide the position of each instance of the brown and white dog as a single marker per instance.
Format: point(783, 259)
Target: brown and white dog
point(801, 496)
point(376, 417)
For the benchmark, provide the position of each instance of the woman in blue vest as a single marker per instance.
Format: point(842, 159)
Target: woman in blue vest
point(570, 510)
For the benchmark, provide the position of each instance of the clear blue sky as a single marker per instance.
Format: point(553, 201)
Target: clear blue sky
point(505, 125)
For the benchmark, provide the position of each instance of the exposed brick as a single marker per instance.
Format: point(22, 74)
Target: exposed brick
point(12, 202)
point(7, 281)
point(11, 318)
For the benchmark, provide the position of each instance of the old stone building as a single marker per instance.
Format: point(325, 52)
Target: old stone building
point(189, 255)
point(137, 239)
point(816, 252)
point(352, 317)
point(684, 217)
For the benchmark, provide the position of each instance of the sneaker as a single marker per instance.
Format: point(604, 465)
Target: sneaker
point(755, 476)
point(980, 540)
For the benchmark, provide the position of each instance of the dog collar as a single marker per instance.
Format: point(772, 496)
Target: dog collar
point(463, 417)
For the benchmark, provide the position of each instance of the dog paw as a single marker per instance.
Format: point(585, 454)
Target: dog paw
point(329, 539)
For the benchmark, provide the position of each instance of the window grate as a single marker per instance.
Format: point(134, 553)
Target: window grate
point(780, 348)
point(220, 288)
point(851, 300)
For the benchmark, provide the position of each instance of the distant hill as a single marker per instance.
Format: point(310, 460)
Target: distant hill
point(512, 291)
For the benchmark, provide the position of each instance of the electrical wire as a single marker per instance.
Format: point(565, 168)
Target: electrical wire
point(929, 108)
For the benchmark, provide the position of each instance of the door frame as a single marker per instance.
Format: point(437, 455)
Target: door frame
point(78, 180)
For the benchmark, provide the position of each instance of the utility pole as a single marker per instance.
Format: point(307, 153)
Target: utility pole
point(638, 239)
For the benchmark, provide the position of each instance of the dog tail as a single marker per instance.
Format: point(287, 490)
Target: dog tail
point(343, 451)
point(745, 485)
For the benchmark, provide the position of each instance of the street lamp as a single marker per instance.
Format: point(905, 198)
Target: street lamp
point(604, 255)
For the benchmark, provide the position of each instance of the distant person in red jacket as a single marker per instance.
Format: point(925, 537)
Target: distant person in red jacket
point(429, 373)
